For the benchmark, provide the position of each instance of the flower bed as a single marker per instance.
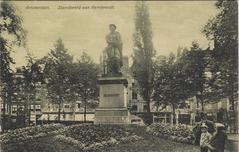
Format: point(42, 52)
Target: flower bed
point(95, 137)
point(81, 137)
point(178, 133)
point(29, 133)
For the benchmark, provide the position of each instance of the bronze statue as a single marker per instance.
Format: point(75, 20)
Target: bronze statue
point(112, 55)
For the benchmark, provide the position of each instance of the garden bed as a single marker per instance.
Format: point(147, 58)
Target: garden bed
point(29, 133)
point(94, 137)
point(178, 133)
point(56, 137)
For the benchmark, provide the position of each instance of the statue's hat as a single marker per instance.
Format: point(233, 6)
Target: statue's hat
point(113, 25)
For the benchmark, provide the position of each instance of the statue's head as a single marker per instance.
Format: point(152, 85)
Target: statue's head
point(112, 27)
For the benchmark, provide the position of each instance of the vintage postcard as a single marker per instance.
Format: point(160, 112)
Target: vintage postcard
point(119, 76)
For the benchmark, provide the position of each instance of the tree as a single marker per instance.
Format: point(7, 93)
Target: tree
point(10, 25)
point(223, 30)
point(32, 77)
point(84, 80)
point(56, 72)
point(19, 98)
point(144, 52)
point(24, 87)
point(170, 82)
point(196, 66)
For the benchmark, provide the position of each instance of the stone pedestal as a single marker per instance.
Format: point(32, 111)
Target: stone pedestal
point(113, 101)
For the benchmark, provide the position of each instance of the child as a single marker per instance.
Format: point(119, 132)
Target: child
point(219, 139)
point(205, 138)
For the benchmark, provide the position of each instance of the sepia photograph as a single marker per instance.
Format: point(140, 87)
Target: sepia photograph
point(119, 76)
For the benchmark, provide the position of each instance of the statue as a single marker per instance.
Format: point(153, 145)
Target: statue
point(112, 54)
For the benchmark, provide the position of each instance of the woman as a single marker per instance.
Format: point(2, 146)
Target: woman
point(218, 140)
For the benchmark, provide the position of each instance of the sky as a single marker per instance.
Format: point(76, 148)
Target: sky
point(83, 28)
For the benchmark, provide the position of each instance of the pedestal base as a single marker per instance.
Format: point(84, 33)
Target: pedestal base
point(113, 101)
point(112, 116)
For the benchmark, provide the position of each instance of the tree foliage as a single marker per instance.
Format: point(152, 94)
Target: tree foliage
point(26, 80)
point(83, 78)
point(11, 34)
point(56, 72)
point(144, 52)
point(197, 67)
point(171, 85)
point(223, 30)
point(69, 81)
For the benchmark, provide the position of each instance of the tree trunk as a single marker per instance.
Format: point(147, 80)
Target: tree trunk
point(25, 110)
point(148, 106)
point(59, 111)
point(200, 98)
point(174, 117)
point(29, 109)
point(85, 110)
point(4, 112)
point(202, 104)
point(231, 100)
point(34, 106)
point(74, 111)
point(197, 102)
point(149, 117)
point(9, 101)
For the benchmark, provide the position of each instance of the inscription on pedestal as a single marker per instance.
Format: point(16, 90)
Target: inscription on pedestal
point(111, 95)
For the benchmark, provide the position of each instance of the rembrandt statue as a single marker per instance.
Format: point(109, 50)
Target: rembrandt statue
point(113, 98)
point(112, 54)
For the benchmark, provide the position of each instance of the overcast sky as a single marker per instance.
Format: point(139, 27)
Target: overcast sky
point(174, 24)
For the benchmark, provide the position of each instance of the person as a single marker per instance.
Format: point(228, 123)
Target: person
point(197, 129)
point(217, 143)
point(205, 138)
point(208, 123)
